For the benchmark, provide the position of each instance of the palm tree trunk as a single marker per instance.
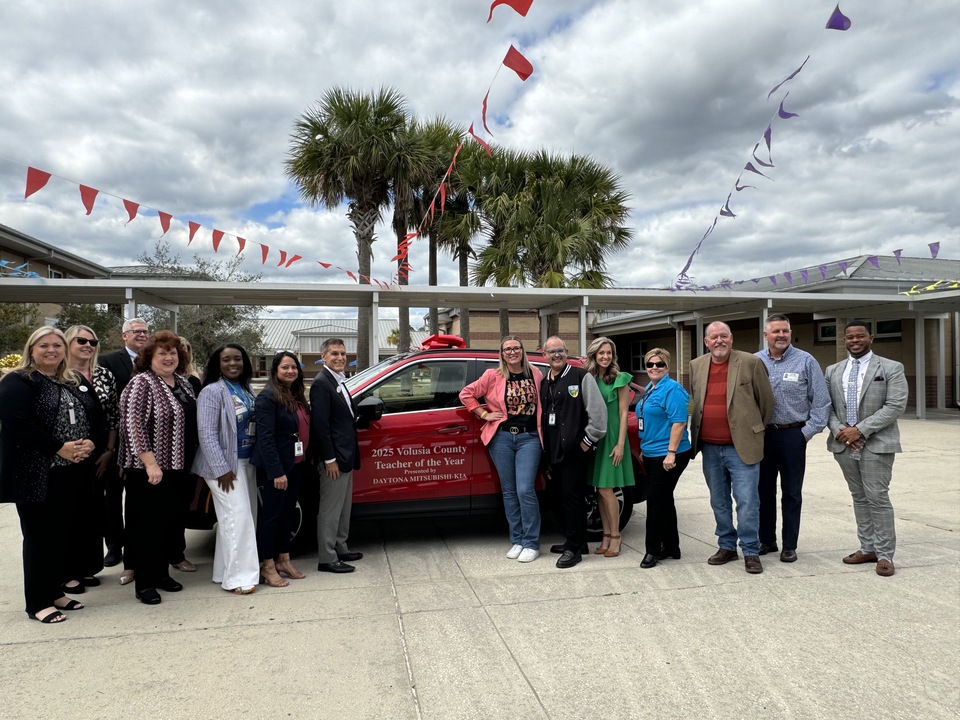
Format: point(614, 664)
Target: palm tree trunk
point(553, 325)
point(504, 322)
point(364, 222)
point(463, 256)
point(432, 313)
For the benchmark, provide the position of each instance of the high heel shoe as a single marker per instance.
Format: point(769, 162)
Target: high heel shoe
point(269, 576)
point(601, 550)
point(286, 568)
point(610, 551)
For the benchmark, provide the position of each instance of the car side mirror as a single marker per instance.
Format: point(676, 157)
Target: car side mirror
point(369, 410)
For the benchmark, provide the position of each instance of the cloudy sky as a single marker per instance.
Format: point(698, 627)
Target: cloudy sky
point(187, 107)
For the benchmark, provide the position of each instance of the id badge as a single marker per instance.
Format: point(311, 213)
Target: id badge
point(640, 424)
point(251, 429)
point(72, 415)
point(552, 419)
point(298, 449)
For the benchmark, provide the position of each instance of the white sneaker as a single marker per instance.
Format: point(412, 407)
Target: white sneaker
point(514, 552)
point(528, 555)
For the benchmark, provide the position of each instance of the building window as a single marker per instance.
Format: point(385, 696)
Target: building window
point(638, 348)
point(889, 329)
point(827, 332)
point(54, 274)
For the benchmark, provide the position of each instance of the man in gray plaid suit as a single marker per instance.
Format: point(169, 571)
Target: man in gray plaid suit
point(867, 393)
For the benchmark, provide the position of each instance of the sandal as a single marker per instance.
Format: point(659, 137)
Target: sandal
point(77, 589)
point(269, 576)
point(69, 605)
point(601, 550)
point(50, 618)
point(244, 590)
point(610, 551)
point(286, 568)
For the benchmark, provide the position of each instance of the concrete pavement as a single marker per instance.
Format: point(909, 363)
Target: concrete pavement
point(438, 624)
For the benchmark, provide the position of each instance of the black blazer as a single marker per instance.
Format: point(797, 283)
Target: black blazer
point(120, 364)
point(333, 429)
point(277, 431)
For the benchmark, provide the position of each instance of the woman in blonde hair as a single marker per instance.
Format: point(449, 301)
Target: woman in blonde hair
point(44, 435)
point(612, 466)
point(512, 433)
point(84, 555)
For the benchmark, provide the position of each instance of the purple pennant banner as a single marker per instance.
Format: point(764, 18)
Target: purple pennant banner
point(756, 281)
point(838, 21)
point(759, 161)
point(896, 254)
point(740, 187)
point(934, 249)
point(789, 77)
point(875, 261)
point(843, 267)
point(823, 271)
point(773, 279)
point(805, 274)
point(725, 210)
point(749, 166)
point(789, 277)
point(783, 113)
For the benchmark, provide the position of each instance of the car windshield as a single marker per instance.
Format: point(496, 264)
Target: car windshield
point(357, 380)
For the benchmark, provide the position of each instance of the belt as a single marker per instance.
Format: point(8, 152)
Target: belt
point(513, 429)
point(786, 426)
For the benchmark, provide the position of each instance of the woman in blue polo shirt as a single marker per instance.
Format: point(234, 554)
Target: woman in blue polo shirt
point(665, 446)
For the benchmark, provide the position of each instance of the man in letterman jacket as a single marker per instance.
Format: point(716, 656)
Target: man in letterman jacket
point(574, 420)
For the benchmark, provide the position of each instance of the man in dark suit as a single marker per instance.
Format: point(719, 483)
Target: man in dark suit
point(732, 404)
point(867, 393)
point(135, 334)
point(333, 438)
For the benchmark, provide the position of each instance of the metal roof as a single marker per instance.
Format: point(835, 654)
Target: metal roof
point(285, 333)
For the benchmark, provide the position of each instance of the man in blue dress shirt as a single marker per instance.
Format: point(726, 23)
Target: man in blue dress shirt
point(801, 406)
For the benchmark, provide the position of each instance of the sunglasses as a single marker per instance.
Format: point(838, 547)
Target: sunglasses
point(660, 364)
point(84, 341)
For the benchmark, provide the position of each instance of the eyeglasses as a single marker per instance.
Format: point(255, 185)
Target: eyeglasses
point(138, 332)
point(659, 364)
point(556, 353)
point(514, 349)
point(84, 341)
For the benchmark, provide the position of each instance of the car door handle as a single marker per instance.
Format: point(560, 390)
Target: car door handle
point(453, 430)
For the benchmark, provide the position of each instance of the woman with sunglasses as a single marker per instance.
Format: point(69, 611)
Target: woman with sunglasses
point(84, 555)
point(283, 430)
point(665, 446)
point(612, 465)
point(512, 433)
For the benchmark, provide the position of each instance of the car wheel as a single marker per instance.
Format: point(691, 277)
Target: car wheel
point(594, 524)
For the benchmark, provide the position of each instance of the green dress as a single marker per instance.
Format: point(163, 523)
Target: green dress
point(604, 473)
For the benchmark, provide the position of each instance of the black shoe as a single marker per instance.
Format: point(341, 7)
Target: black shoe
point(569, 559)
point(665, 554)
point(113, 557)
point(150, 596)
point(336, 567)
point(75, 590)
point(788, 556)
point(350, 556)
point(764, 549)
point(170, 585)
point(648, 561)
point(561, 548)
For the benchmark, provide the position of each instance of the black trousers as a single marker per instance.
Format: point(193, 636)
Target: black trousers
point(78, 497)
point(275, 519)
point(42, 559)
point(784, 453)
point(113, 532)
point(150, 530)
point(662, 532)
point(569, 481)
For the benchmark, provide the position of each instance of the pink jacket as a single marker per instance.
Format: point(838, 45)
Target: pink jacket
point(492, 387)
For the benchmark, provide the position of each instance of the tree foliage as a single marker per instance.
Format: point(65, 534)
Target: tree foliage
point(17, 321)
point(105, 320)
point(205, 326)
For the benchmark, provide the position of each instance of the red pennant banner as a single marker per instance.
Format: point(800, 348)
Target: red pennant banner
point(164, 221)
point(132, 209)
point(36, 179)
point(88, 196)
point(283, 258)
point(325, 266)
point(443, 196)
point(243, 244)
point(194, 226)
point(264, 251)
point(292, 260)
point(482, 144)
point(518, 63)
point(521, 6)
point(352, 276)
point(217, 239)
point(483, 113)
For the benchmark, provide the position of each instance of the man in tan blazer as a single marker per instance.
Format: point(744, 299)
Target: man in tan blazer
point(732, 401)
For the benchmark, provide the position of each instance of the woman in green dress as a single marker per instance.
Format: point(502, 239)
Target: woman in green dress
point(612, 466)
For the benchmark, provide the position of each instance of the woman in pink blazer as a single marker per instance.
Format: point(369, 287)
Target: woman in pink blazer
point(512, 433)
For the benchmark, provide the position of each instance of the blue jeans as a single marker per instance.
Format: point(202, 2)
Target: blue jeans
point(517, 458)
point(726, 473)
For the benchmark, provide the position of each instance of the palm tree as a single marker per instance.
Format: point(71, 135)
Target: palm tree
point(349, 146)
point(558, 229)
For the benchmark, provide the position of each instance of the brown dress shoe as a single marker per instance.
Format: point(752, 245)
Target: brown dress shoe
point(885, 568)
point(722, 556)
point(860, 557)
point(751, 564)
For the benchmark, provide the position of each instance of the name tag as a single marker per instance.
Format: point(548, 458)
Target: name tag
point(251, 429)
point(640, 424)
point(552, 419)
point(298, 449)
point(791, 377)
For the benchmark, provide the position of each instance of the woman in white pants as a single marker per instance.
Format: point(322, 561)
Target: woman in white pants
point(225, 423)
